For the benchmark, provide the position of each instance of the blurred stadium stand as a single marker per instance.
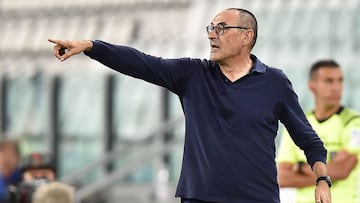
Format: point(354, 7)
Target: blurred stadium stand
point(118, 139)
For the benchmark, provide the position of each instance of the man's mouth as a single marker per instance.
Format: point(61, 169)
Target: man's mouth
point(214, 46)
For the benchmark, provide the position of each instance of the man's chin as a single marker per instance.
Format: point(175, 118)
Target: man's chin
point(214, 58)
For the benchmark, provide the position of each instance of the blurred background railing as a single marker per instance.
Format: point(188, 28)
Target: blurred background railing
point(125, 136)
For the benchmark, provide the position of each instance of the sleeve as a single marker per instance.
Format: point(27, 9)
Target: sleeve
point(287, 149)
point(299, 128)
point(350, 136)
point(169, 73)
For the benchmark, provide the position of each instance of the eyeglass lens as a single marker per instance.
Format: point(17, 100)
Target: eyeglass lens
point(219, 29)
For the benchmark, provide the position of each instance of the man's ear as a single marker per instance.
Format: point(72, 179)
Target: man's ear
point(249, 36)
point(311, 85)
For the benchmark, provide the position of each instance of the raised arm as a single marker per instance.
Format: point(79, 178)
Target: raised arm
point(173, 74)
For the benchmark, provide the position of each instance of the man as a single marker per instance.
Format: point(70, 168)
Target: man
point(338, 127)
point(37, 166)
point(232, 104)
point(9, 166)
point(37, 169)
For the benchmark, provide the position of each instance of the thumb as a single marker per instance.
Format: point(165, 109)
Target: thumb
point(67, 54)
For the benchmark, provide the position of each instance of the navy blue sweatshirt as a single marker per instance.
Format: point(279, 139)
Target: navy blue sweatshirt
point(230, 127)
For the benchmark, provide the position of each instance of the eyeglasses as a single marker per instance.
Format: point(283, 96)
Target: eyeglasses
point(221, 27)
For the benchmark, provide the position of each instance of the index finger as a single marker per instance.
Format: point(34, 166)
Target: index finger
point(61, 43)
point(55, 41)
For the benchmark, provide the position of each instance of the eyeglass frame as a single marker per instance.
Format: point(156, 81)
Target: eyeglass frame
point(224, 27)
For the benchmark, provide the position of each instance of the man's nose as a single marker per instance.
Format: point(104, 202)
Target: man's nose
point(212, 34)
point(39, 174)
point(337, 85)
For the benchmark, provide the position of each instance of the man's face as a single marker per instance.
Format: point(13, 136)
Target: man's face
point(327, 86)
point(32, 174)
point(9, 159)
point(228, 45)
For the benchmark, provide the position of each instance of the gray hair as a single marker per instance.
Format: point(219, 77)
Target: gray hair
point(248, 19)
point(54, 192)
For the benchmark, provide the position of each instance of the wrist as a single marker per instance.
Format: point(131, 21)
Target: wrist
point(88, 45)
point(324, 179)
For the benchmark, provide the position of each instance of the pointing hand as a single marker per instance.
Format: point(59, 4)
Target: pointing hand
point(64, 49)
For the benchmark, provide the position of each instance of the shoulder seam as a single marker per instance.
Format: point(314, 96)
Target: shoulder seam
point(350, 119)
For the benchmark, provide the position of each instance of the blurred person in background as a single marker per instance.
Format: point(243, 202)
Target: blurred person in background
point(37, 169)
point(9, 166)
point(54, 192)
point(37, 166)
point(232, 104)
point(338, 127)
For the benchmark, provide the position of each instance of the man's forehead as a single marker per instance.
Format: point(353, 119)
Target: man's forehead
point(329, 69)
point(328, 72)
point(227, 16)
